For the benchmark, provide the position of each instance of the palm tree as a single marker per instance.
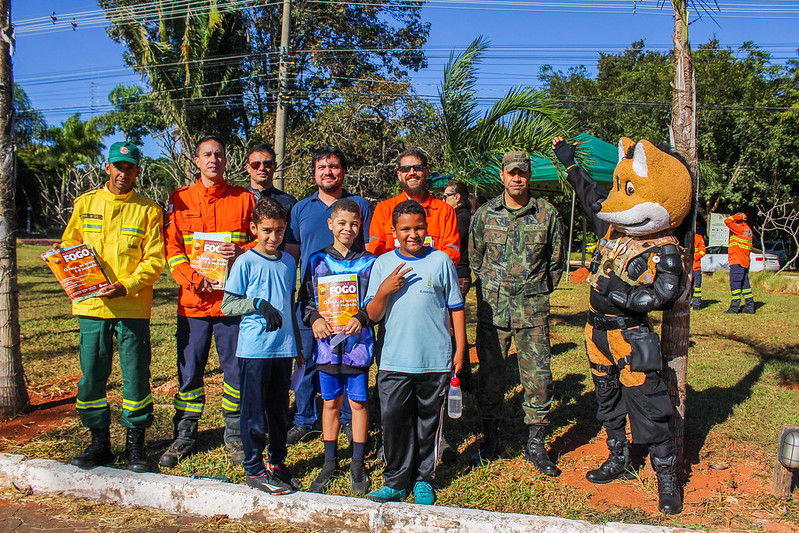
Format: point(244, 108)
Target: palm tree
point(676, 328)
point(523, 119)
point(13, 394)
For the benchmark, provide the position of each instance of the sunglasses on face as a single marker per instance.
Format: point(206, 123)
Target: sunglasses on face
point(408, 168)
point(255, 165)
point(448, 194)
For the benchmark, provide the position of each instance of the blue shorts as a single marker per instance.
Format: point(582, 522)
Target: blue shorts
point(331, 386)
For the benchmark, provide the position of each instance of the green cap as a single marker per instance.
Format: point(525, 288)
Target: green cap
point(124, 151)
point(513, 160)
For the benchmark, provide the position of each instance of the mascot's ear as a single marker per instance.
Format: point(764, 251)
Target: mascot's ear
point(639, 160)
point(624, 147)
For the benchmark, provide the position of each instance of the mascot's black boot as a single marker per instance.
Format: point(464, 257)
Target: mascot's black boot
point(98, 453)
point(749, 307)
point(617, 466)
point(735, 307)
point(536, 451)
point(669, 500)
point(134, 451)
point(489, 450)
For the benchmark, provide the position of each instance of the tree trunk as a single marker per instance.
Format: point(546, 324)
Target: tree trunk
point(13, 394)
point(677, 321)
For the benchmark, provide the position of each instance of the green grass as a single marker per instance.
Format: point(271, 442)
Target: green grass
point(739, 367)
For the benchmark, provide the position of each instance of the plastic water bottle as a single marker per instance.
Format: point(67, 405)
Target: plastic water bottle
point(455, 399)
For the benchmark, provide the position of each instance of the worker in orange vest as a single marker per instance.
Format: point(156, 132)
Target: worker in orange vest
point(699, 253)
point(738, 254)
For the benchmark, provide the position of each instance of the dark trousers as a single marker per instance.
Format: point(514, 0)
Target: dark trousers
point(305, 396)
point(194, 344)
point(264, 408)
point(96, 358)
point(413, 410)
point(739, 283)
point(697, 275)
point(642, 396)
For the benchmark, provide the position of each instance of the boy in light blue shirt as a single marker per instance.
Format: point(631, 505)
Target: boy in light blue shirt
point(261, 288)
point(416, 288)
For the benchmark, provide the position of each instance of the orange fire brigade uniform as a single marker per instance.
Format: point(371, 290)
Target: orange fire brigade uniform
point(699, 253)
point(738, 255)
point(197, 208)
point(442, 226)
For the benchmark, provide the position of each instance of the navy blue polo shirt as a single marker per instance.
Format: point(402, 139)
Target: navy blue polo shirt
point(308, 225)
point(283, 198)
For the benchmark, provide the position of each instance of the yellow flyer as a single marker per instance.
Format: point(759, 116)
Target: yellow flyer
point(205, 257)
point(337, 296)
point(77, 270)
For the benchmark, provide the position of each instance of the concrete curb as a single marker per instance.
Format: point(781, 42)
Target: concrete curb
point(181, 495)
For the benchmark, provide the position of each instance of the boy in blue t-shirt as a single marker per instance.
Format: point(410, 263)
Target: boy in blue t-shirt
point(261, 287)
point(331, 296)
point(417, 360)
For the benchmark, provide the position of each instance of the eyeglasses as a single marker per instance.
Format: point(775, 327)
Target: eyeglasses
point(255, 165)
point(407, 168)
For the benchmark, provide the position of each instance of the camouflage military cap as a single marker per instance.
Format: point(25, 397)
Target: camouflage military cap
point(513, 160)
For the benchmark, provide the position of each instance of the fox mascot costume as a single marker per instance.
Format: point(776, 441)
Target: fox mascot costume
point(636, 268)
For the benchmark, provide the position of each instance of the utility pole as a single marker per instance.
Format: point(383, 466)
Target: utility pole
point(13, 394)
point(282, 108)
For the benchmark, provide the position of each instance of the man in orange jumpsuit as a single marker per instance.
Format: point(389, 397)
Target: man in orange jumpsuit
point(699, 253)
point(211, 205)
point(442, 223)
point(738, 254)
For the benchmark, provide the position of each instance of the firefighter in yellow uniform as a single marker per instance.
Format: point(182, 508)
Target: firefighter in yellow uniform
point(125, 229)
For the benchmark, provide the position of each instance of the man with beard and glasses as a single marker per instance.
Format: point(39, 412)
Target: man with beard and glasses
point(308, 229)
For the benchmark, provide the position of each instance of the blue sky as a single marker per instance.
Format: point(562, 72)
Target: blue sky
point(66, 71)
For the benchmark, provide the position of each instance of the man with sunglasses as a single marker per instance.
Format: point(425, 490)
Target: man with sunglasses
point(442, 223)
point(261, 166)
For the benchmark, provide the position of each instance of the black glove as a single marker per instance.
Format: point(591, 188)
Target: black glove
point(565, 153)
point(274, 320)
point(611, 283)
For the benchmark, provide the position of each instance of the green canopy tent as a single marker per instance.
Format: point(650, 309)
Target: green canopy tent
point(599, 159)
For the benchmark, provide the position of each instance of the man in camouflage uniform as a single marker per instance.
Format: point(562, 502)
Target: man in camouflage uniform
point(516, 253)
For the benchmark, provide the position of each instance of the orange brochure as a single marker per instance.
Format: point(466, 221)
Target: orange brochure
point(206, 259)
point(77, 270)
point(338, 299)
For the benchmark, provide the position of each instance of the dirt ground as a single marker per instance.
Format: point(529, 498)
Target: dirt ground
point(717, 477)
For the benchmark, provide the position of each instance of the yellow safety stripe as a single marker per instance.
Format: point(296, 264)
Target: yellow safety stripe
point(178, 259)
point(192, 394)
point(191, 407)
point(130, 405)
point(238, 236)
point(187, 239)
point(230, 390)
point(227, 405)
point(95, 404)
point(92, 227)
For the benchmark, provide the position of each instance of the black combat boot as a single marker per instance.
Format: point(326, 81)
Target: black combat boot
point(489, 450)
point(98, 453)
point(134, 451)
point(536, 451)
point(669, 500)
point(185, 442)
point(735, 307)
point(696, 303)
point(749, 306)
point(617, 465)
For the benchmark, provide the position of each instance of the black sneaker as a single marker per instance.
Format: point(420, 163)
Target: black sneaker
point(269, 484)
point(359, 478)
point(282, 472)
point(323, 479)
point(297, 434)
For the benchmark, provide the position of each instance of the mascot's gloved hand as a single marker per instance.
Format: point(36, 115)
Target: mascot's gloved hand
point(273, 319)
point(565, 153)
point(611, 283)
